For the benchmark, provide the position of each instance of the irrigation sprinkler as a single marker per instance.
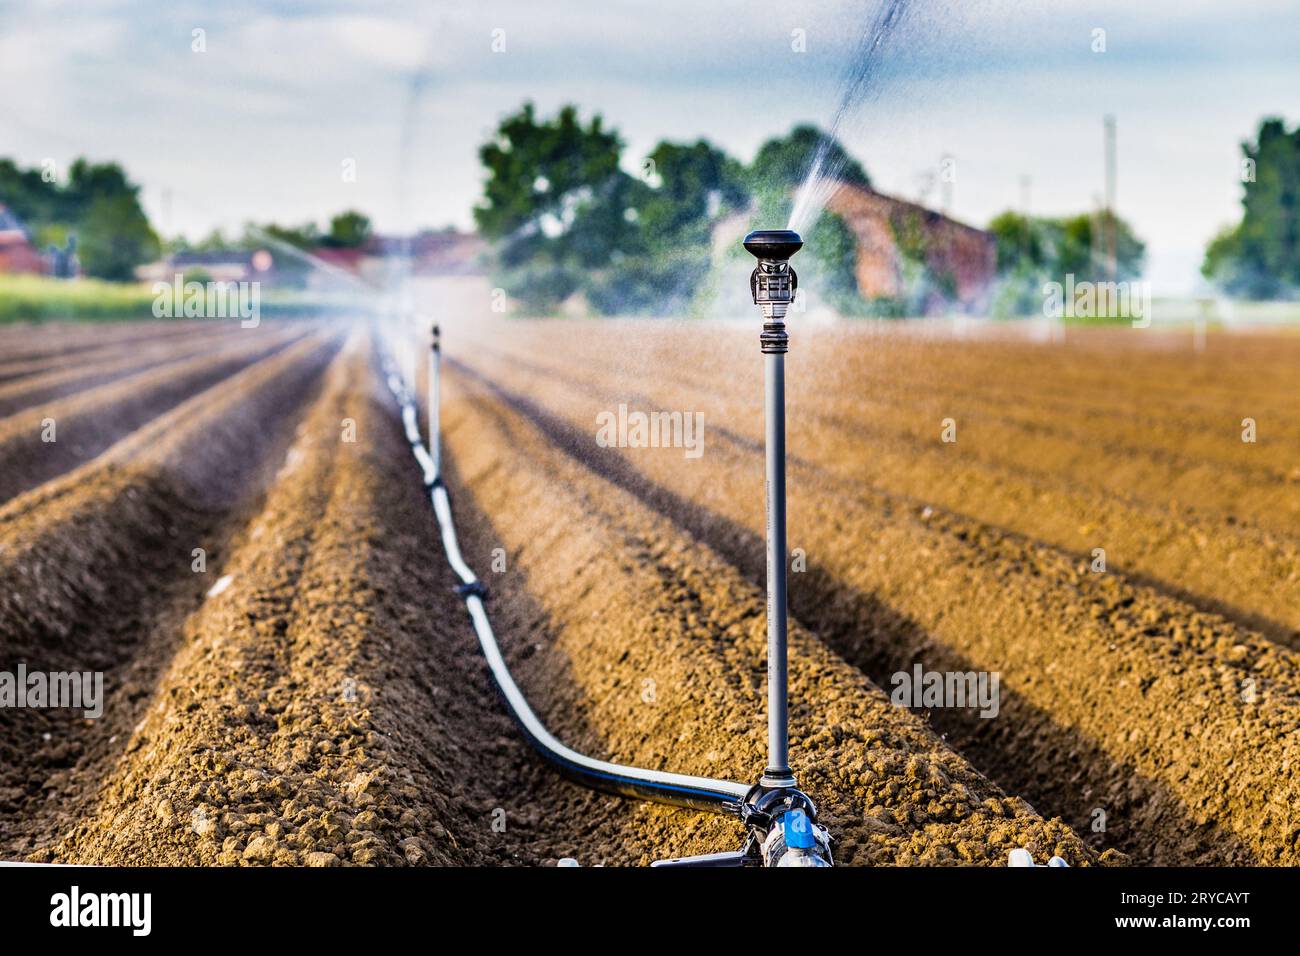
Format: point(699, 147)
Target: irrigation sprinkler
point(773, 284)
point(781, 819)
point(434, 407)
point(784, 815)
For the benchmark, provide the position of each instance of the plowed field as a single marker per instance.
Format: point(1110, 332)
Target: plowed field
point(230, 527)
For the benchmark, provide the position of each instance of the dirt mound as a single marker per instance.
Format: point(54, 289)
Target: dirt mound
point(94, 565)
point(91, 419)
point(325, 704)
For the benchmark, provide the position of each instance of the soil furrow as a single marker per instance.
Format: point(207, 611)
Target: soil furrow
point(94, 565)
point(56, 342)
point(13, 369)
point(95, 370)
point(1148, 456)
point(1174, 549)
point(41, 443)
point(330, 705)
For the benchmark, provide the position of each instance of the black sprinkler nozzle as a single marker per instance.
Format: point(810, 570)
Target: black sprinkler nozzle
point(777, 244)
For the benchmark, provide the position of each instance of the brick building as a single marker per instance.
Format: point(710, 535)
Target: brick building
point(961, 260)
point(17, 254)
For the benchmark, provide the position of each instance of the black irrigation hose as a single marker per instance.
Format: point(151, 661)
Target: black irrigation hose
point(659, 786)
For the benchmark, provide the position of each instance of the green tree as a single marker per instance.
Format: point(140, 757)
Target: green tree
point(97, 203)
point(546, 178)
point(693, 185)
point(348, 230)
point(556, 202)
point(30, 197)
point(785, 162)
point(1076, 245)
point(1021, 242)
point(1082, 247)
point(114, 237)
point(1034, 250)
point(1260, 257)
point(835, 257)
point(690, 187)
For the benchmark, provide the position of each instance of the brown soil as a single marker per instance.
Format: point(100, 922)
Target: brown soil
point(1128, 692)
point(38, 342)
point(91, 419)
point(327, 704)
point(661, 643)
point(86, 369)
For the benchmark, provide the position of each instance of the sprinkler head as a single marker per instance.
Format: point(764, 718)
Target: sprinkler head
point(773, 282)
point(779, 244)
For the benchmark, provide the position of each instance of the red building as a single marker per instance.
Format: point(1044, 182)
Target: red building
point(963, 256)
point(17, 254)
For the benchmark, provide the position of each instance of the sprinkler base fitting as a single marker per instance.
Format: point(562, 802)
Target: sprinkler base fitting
point(774, 340)
point(783, 827)
point(783, 832)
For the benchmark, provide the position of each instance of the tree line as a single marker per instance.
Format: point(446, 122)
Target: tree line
point(95, 203)
point(98, 207)
point(567, 217)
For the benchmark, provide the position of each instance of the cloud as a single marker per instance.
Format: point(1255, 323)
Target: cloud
point(256, 127)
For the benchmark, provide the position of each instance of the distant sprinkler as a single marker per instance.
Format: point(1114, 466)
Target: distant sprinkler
point(434, 402)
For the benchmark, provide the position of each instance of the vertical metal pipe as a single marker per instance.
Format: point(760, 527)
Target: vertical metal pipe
point(773, 284)
point(778, 751)
point(435, 403)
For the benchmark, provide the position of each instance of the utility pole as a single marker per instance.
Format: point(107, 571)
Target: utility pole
point(947, 179)
point(1025, 183)
point(1109, 220)
point(167, 223)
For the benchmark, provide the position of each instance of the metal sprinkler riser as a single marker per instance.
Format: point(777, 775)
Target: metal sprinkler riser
point(773, 284)
point(782, 819)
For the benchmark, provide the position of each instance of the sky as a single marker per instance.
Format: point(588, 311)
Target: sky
point(284, 99)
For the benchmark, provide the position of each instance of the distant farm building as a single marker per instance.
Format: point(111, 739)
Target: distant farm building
point(441, 253)
point(960, 260)
point(216, 265)
point(17, 254)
